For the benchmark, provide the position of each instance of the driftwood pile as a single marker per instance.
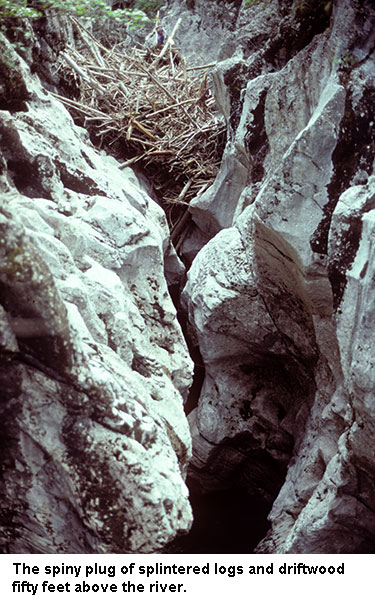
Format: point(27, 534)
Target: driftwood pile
point(155, 111)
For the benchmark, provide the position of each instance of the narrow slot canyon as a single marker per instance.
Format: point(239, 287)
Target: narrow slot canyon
point(186, 278)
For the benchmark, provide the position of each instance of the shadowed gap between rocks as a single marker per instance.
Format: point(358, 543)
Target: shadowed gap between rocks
point(235, 478)
point(230, 518)
point(233, 518)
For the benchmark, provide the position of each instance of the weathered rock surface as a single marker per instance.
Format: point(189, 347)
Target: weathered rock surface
point(206, 29)
point(94, 368)
point(279, 299)
point(246, 289)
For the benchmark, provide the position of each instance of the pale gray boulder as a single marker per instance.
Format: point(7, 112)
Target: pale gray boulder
point(95, 370)
point(246, 297)
point(330, 486)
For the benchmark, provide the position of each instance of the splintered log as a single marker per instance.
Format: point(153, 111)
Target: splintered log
point(91, 80)
point(166, 109)
point(132, 161)
point(198, 67)
point(151, 109)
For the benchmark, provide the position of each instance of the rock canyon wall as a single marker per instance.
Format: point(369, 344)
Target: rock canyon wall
point(276, 305)
point(94, 367)
point(280, 289)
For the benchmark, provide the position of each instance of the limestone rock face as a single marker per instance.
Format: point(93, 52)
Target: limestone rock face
point(279, 298)
point(206, 32)
point(94, 368)
point(95, 446)
point(247, 299)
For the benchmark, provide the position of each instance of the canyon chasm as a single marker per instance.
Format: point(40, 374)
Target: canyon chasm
point(219, 398)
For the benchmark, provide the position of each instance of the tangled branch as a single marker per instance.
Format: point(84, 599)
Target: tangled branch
point(156, 110)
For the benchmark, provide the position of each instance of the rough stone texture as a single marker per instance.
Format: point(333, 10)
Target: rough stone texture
point(94, 370)
point(250, 86)
point(267, 34)
point(280, 298)
point(337, 498)
point(273, 121)
point(206, 32)
point(246, 290)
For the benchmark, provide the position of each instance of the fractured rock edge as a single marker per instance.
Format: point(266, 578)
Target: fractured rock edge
point(312, 200)
point(95, 370)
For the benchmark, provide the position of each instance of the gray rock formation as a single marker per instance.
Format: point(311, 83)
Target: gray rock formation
point(279, 299)
point(95, 446)
point(206, 29)
point(94, 370)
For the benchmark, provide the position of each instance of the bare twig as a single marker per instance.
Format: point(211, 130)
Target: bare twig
point(201, 67)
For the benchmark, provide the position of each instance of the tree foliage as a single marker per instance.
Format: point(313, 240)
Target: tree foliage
point(18, 9)
point(89, 9)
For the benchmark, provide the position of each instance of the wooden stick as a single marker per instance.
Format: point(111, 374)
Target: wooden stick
point(123, 90)
point(106, 131)
point(108, 76)
point(169, 41)
point(184, 190)
point(130, 130)
point(80, 106)
point(96, 55)
point(143, 129)
point(178, 104)
point(158, 83)
point(88, 33)
point(75, 67)
point(82, 73)
point(131, 161)
point(142, 142)
point(133, 73)
point(171, 61)
point(161, 152)
point(182, 237)
point(201, 67)
point(180, 224)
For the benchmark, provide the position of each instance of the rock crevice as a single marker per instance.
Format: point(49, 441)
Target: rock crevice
point(276, 307)
point(277, 295)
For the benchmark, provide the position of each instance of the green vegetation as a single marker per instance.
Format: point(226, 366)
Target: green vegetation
point(18, 9)
point(89, 9)
point(347, 60)
point(17, 16)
